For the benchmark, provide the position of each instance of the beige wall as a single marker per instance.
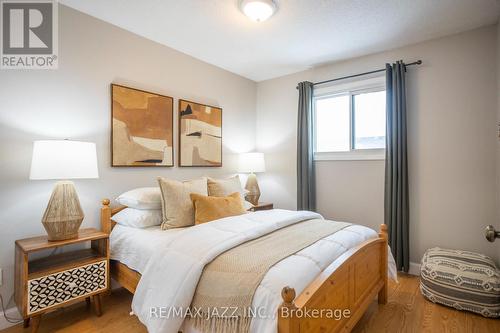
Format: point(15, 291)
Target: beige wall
point(74, 102)
point(452, 108)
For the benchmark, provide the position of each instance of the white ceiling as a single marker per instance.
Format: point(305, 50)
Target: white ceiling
point(302, 34)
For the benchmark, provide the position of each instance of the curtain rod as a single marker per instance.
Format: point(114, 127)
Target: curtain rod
point(418, 62)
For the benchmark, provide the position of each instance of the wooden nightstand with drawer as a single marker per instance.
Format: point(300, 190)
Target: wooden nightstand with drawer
point(47, 283)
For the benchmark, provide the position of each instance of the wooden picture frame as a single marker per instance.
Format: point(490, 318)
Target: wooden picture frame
point(142, 130)
point(202, 123)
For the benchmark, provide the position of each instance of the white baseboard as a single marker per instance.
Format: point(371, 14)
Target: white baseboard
point(414, 268)
point(11, 313)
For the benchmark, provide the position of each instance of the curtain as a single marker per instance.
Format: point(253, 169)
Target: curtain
point(396, 166)
point(306, 186)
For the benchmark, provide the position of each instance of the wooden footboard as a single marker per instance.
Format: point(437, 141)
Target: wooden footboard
point(333, 302)
point(340, 295)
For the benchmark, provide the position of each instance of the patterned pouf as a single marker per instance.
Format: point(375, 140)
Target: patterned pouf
point(462, 280)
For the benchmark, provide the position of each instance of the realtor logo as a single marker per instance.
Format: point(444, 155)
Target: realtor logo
point(29, 34)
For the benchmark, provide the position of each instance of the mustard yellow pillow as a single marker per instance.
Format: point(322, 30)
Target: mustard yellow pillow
point(208, 209)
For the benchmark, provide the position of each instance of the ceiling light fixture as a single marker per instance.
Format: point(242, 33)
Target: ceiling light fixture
point(258, 10)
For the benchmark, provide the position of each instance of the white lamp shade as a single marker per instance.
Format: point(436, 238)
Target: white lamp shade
point(252, 162)
point(63, 159)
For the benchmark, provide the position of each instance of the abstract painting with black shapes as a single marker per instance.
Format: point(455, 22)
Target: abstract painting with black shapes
point(142, 128)
point(200, 135)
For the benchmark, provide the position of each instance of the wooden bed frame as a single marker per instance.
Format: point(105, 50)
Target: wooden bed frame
point(350, 283)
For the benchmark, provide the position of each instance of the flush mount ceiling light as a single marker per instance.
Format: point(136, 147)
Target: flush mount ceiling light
point(258, 10)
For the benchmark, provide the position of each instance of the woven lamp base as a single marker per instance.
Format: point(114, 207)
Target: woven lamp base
point(252, 186)
point(63, 215)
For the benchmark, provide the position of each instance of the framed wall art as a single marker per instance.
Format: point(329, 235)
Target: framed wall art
point(141, 129)
point(200, 135)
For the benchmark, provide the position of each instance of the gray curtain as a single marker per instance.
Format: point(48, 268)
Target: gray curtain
point(396, 166)
point(306, 183)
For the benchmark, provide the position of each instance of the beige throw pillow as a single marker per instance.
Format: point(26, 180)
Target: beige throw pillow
point(177, 207)
point(225, 187)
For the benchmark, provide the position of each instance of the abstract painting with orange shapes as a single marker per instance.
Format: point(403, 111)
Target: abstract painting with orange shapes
point(142, 128)
point(200, 135)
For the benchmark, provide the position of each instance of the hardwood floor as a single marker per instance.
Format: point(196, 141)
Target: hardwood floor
point(406, 311)
point(80, 318)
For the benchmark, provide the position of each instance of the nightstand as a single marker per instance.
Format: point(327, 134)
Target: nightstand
point(262, 206)
point(47, 283)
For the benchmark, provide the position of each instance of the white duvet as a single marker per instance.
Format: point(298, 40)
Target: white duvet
point(176, 258)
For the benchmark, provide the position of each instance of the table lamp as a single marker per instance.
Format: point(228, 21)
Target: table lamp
point(63, 160)
point(252, 163)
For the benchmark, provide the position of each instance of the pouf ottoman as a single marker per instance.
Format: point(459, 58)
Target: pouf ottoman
point(462, 280)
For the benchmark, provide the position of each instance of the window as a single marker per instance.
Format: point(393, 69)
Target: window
point(332, 124)
point(368, 114)
point(350, 122)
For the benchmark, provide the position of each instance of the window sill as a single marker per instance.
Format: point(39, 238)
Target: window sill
point(368, 155)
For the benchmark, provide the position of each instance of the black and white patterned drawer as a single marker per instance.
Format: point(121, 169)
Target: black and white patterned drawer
point(54, 289)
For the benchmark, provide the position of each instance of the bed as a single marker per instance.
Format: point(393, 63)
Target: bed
point(350, 277)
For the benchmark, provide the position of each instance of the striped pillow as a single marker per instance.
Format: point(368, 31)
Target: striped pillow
point(462, 280)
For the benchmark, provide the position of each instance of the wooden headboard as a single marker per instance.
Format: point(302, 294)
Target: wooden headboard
point(107, 224)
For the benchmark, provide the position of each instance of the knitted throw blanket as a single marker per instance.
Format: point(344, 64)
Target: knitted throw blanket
point(223, 298)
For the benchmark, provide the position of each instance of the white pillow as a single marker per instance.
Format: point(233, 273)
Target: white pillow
point(138, 218)
point(141, 198)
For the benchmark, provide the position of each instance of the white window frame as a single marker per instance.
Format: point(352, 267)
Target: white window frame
point(350, 88)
